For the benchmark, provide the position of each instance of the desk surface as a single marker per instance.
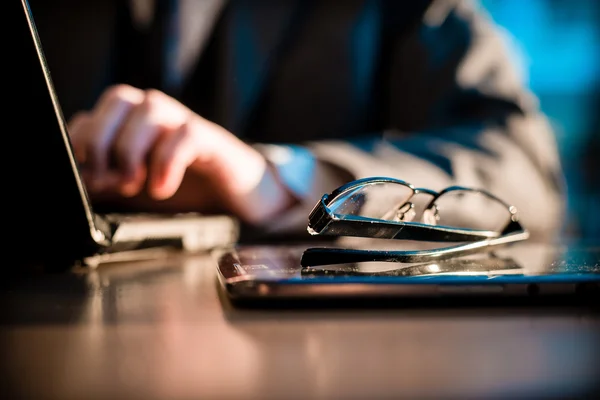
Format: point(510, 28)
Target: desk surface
point(161, 330)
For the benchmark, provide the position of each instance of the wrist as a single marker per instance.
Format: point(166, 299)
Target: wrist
point(267, 200)
point(249, 187)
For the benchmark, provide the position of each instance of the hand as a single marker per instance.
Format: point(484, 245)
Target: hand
point(137, 144)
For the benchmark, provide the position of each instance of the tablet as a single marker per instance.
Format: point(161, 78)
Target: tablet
point(527, 270)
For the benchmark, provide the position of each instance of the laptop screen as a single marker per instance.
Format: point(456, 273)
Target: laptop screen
point(45, 192)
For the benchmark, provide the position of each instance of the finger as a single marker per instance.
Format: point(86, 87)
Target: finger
point(132, 185)
point(170, 159)
point(78, 124)
point(138, 134)
point(107, 118)
point(155, 115)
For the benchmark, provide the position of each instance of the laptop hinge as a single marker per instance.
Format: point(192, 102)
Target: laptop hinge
point(102, 231)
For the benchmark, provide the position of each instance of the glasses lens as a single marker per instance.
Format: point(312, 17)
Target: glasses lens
point(468, 209)
point(379, 200)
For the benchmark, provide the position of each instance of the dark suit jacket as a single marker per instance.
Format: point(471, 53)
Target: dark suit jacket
point(424, 91)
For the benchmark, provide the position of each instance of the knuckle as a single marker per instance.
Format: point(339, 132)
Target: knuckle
point(155, 94)
point(163, 109)
point(115, 92)
point(159, 106)
point(153, 98)
point(118, 93)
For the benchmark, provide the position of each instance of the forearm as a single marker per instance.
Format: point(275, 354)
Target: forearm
point(514, 158)
point(517, 162)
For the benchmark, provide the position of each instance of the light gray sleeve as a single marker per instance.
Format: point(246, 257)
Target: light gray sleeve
point(464, 118)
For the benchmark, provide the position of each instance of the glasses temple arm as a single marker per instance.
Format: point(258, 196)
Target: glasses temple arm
point(363, 227)
point(330, 256)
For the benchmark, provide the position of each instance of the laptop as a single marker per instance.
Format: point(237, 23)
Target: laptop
point(49, 218)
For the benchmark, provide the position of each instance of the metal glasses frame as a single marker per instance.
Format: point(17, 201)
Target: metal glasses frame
point(323, 221)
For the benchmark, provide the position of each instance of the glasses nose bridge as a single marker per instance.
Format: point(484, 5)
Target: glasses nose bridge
point(429, 192)
point(420, 207)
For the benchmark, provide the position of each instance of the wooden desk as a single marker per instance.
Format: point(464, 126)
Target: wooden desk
point(160, 331)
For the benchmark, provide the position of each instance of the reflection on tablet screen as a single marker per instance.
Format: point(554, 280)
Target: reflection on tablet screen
point(274, 263)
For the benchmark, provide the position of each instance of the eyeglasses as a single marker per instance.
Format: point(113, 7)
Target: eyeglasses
point(388, 208)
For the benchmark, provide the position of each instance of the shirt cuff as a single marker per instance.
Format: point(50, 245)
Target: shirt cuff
point(306, 178)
